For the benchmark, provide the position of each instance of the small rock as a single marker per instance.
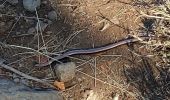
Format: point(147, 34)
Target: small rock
point(52, 15)
point(90, 95)
point(43, 26)
point(2, 6)
point(66, 71)
point(31, 30)
point(17, 80)
point(79, 79)
point(116, 97)
point(12, 2)
point(31, 5)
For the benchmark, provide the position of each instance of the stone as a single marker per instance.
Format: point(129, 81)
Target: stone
point(31, 5)
point(12, 2)
point(66, 71)
point(12, 91)
point(31, 30)
point(16, 80)
point(52, 15)
point(2, 6)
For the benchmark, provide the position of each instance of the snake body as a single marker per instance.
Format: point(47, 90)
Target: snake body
point(90, 50)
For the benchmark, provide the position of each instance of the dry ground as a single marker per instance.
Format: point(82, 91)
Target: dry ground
point(86, 24)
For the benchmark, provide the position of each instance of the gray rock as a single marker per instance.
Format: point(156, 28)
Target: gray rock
point(16, 80)
point(12, 91)
point(66, 71)
point(31, 30)
point(2, 6)
point(31, 5)
point(52, 15)
point(12, 2)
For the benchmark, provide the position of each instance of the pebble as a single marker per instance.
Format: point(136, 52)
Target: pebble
point(2, 6)
point(31, 5)
point(17, 80)
point(52, 15)
point(66, 71)
point(12, 2)
point(31, 30)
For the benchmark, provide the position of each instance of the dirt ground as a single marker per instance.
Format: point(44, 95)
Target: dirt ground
point(114, 73)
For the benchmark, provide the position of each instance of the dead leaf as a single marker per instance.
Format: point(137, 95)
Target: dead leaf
point(59, 85)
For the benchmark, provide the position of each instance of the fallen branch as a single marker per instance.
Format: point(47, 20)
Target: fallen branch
point(25, 75)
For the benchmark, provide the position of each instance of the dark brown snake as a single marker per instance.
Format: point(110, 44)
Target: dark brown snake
point(91, 50)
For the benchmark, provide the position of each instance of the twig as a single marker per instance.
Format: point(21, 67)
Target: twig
point(42, 37)
point(22, 16)
point(116, 84)
point(69, 5)
point(25, 75)
point(95, 59)
point(12, 27)
point(152, 16)
point(20, 60)
point(3, 3)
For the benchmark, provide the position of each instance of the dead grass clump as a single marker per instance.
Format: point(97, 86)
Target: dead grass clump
point(161, 30)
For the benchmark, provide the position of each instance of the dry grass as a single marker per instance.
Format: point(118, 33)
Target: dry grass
point(160, 15)
point(152, 81)
point(148, 85)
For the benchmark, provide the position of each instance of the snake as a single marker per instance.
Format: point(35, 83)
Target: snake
point(91, 50)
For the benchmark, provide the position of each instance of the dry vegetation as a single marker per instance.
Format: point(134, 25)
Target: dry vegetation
point(145, 76)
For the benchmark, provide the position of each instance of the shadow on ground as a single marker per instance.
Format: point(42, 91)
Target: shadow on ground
point(150, 86)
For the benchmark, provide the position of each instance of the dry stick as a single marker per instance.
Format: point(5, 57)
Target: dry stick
point(3, 3)
point(116, 84)
point(95, 71)
point(25, 75)
point(44, 44)
point(66, 5)
point(13, 27)
point(24, 58)
point(150, 16)
point(22, 16)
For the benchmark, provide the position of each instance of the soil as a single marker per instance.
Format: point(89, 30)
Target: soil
point(79, 24)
